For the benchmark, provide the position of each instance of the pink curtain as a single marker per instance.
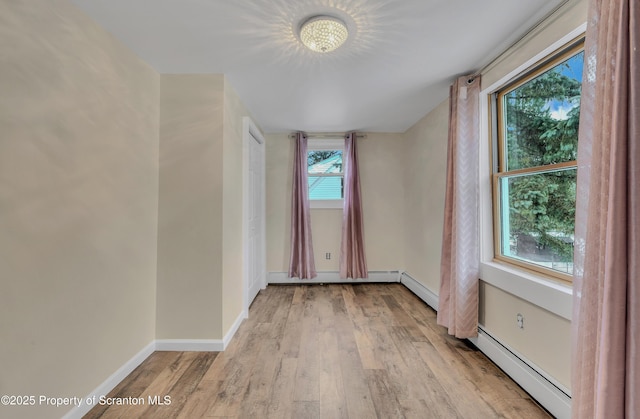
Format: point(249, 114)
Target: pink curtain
point(606, 311)
point(352, 258)
point(459, 266)
point(301, 262)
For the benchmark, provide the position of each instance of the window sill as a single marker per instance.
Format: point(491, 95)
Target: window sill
point(326, 203)
point(534, 288)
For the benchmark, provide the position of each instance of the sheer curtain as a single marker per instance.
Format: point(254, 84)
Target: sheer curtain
point(460, 265)
point(606, 318)
point(353, 263)
point(301, 262)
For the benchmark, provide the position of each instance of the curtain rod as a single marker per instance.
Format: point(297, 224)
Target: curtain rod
point(494, 60)
point(328, 135)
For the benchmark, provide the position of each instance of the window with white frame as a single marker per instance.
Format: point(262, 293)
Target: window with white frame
point(325, 172)
point(534, 181)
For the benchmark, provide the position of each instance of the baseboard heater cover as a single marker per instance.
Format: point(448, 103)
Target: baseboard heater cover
point(547, 391)
point(333, 277)
point(544, 389)
point(424, 293)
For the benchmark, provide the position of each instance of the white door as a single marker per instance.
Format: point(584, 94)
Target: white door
point(255, 218)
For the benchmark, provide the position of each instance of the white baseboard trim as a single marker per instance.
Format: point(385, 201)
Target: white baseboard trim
point(424, 293)
point(201, 345)
point(542, 387)
point(234, 328)
point(332, 278)
point(110, 383)
point(190, 345)
point(195, 345)
point(547, 391)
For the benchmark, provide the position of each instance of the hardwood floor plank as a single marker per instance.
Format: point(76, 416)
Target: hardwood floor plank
point(306, 410)
point(201, 400)
point(423, 409)
point(306, 381)
point(400, 374)
point(385, 399)
point(333, 403)
point(139, 379)
point(525, 408)
point(263, 374)
point(403, 319)
point(454, 384)
point(366, 349)
point(281, 401)
point(357, 394)
point(237, 374)
point(329, 351)
point(160, 386)
point(280, 316)
point(182, 389)
point(290, 343)
point(257, 409)
point(372, 304)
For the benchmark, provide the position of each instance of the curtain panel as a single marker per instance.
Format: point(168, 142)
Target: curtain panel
point(301, 260)
point(606, 298)
point(460, 263)
point(353, 263)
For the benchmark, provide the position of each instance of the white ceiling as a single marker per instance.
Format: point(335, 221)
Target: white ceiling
point(396, 66)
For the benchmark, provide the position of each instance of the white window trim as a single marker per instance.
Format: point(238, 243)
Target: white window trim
point(535, 288)
point(326, 203)
point(319, 144)
point(325, 144)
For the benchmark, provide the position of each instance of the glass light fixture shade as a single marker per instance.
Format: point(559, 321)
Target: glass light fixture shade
point(323, 33)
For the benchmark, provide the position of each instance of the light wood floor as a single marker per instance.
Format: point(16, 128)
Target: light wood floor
point(335, 351)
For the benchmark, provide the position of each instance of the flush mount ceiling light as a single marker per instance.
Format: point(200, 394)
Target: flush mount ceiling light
point(323, 33)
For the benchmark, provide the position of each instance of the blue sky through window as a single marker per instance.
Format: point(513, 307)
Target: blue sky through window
point(571, 68)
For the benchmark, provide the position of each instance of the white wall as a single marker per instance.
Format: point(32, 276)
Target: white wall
point(78, 203)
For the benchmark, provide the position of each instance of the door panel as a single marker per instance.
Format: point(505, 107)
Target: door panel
point(256, 218)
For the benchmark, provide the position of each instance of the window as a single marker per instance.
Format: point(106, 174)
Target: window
point(535, 179)
point(325, 175)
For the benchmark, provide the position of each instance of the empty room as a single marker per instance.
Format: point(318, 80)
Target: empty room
point(319, 209)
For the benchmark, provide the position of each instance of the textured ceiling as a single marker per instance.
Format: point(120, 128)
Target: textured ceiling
point(396, 66)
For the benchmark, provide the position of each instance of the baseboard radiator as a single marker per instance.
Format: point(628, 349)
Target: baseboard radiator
point(547, 391)
point(333, 277)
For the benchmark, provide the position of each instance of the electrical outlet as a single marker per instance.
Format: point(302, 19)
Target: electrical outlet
point(327, 255)
point(520, 320)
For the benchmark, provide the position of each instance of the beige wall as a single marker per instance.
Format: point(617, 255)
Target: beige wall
point(380, 157)
point(425, 164)
point(383, 194)
point(189, 304)
point(279, 170)
point(545, 338)
point(232, 203)
point(200, 246)
point(78, 203)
